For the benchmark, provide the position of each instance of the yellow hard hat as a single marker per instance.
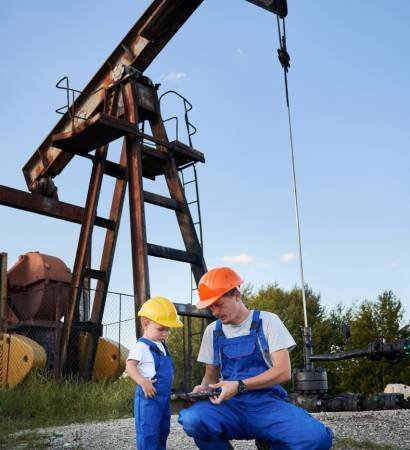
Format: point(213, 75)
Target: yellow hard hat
point(162, 311)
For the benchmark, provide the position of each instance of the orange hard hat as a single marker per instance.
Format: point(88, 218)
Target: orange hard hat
point(215, 283)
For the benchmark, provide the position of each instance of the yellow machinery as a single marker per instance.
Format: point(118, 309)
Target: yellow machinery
point(18, 355)
point(31, 319)
point(109, 361)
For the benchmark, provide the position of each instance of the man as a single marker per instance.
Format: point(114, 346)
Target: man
point(249, 351)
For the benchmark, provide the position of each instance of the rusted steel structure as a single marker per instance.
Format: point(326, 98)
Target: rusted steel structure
point(116, 103)
point(137, 50)
point(3, 292)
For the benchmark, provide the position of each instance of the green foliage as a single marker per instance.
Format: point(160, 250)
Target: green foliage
point(288, 306)
point(188, 372)
point(373, 321)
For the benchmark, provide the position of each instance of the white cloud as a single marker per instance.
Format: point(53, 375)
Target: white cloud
point(242, 258)
point(288, 257)
point(173, 76)
point(239, 51)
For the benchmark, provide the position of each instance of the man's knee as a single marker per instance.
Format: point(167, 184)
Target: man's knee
point(190, 419)
point(311, 434)
point(321, 437)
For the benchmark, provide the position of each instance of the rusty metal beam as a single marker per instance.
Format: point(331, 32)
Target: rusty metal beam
point(3, 293)
point(136, 205)
point(68, 344)
point(105, 266)
point(186, 309)
point(171, 253)
point(46, 206)
point(160, 200)
point(144, 41)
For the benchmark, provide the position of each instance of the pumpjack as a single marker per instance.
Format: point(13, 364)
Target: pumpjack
point(117, 103)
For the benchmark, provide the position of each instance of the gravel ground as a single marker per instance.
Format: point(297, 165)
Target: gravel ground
point(379, 427)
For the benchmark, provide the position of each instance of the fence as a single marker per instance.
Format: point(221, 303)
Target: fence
point(37, 313)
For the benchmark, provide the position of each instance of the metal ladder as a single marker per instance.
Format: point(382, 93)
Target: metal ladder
point(189, 179)
point(194, 203)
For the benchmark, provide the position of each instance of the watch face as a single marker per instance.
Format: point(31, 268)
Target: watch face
point(241, 387)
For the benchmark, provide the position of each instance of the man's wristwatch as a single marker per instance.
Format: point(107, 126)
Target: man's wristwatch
point(242, 387)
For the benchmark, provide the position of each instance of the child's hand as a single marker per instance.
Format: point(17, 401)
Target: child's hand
point(148, 387)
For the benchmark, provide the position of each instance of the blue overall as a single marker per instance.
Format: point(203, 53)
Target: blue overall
point(258, 414)
point(153, 415)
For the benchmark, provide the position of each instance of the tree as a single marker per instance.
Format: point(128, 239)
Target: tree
point(288, 306)
point(381, 320)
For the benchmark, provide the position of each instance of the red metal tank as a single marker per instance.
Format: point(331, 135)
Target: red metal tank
point(38, 287)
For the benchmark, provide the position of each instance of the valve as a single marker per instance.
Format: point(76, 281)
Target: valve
point(391, 351)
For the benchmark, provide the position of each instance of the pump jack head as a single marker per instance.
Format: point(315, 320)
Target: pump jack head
point(278, 7)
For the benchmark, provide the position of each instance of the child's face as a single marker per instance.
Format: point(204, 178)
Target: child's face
point(154, 331)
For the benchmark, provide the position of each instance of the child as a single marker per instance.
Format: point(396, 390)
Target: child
point(150, 365)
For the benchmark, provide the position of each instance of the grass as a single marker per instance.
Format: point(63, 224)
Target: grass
point(29, 440)
point(42, 402)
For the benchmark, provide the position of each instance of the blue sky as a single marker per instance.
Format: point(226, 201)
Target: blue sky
point(349, 91)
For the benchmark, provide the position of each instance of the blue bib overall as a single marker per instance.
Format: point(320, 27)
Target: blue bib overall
point(258, 414)
point(153, 415)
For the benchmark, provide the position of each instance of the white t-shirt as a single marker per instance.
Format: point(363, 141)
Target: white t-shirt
point(276, 334)
point(142, 353)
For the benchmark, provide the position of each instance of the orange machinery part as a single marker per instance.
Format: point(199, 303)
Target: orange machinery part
point(38, 287)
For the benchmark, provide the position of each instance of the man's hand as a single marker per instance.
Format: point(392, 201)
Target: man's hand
point(228, 390)
point(148, 387)
point(201, 388)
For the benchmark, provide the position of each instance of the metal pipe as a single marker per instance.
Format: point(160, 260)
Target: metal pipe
point(341, 355)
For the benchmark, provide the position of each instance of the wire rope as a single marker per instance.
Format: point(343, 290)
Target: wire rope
point(284, 59)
